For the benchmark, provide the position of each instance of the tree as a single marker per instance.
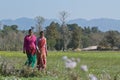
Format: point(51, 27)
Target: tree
point(14, 27)
point(87, 30)
point(52, 35)
point(85, 41)
point(64, 28)
point(10, 38)
point(76, 36)
point(96, 37)
point(39, 23)
point(110, 39)
point(91, 36)
point(95, 30)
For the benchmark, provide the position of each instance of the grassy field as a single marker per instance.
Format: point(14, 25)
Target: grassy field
point(104, 65)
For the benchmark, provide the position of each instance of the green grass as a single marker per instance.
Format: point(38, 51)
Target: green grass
point(97, 62)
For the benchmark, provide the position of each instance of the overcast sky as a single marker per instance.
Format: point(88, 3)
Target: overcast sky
point(87, 9)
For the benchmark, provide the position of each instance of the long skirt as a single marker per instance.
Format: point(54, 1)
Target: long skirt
point(41, 60)
point(31, 60)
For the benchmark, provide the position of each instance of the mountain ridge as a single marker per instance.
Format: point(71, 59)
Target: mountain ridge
point(103, 24)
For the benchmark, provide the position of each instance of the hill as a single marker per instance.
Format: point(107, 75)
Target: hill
point(104, 24)
point(25, 23)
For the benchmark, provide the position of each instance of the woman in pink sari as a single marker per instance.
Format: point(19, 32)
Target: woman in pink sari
point(29, 48)
point(42, 52)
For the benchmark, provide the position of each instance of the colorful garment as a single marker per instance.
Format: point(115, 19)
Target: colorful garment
point(30, 48)
point(41, 57)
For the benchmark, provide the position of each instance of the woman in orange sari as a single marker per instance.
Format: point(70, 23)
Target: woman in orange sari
point(42, 52)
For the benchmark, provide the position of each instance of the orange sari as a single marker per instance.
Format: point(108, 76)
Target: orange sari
point(41, 56)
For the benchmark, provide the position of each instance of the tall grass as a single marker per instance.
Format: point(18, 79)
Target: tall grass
point(101, 64)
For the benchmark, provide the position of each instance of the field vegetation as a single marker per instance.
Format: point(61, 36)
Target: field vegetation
point(84, 65)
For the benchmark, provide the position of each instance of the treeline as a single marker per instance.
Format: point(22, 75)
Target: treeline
point(11, 38)
point(67, 37)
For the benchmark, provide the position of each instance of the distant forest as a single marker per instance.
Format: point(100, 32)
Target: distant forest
point(61, 37)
